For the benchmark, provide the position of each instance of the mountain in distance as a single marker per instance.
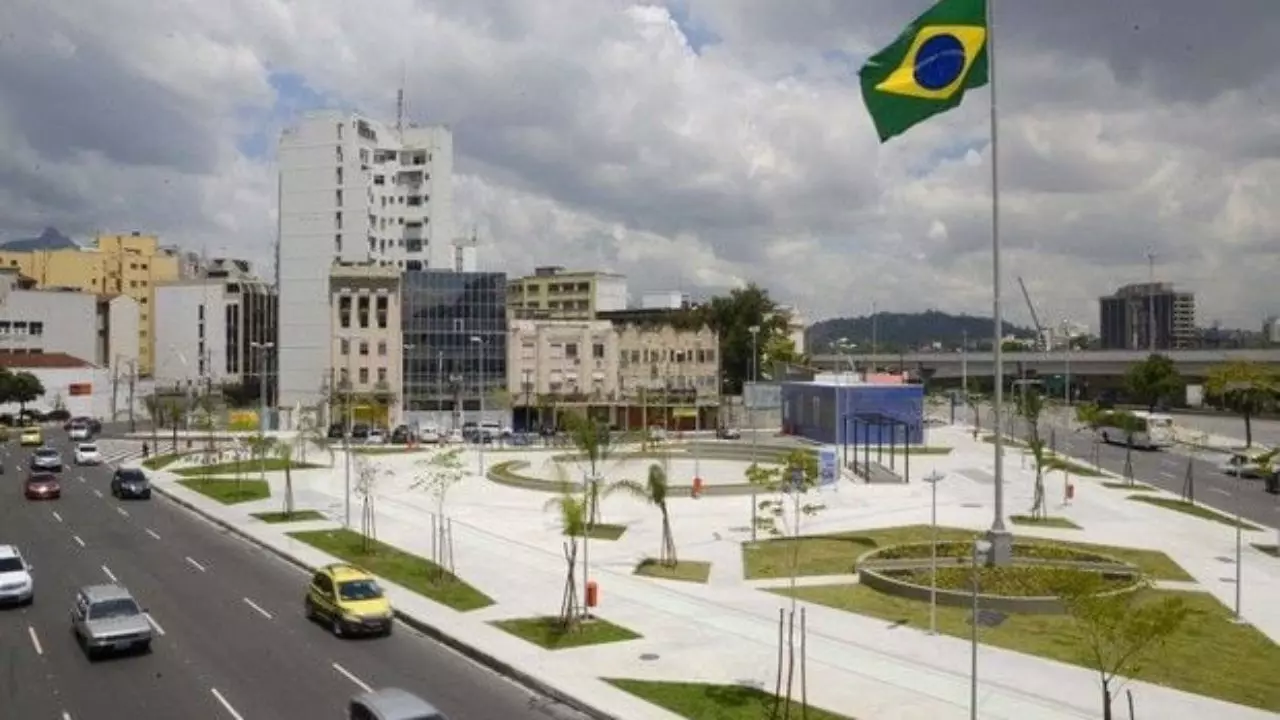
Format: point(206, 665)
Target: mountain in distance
point(902, 332)
point(50, 239)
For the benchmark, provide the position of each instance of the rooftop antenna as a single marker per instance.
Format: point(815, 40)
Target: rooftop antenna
point(400, 101)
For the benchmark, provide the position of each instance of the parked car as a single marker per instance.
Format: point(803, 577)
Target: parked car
point(42, 486)
point(46, 459)
point(16, 583)
point(337, 431)
point(349, 600)
point(359, 432)
point(728, 433)
point(429, 434)
point(402, 435)
point(87, 454)
point(106, 618)
point(130, 483)
point(375, 437)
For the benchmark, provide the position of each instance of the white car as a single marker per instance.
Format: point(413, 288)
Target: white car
point(430, 434)
point(79, 432)
point(375, 437)
point(87, 454)
point(1249, 464)
point(16, 585)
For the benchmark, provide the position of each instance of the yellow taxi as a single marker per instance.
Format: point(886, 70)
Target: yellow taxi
point(348, 600)
point(31, 436)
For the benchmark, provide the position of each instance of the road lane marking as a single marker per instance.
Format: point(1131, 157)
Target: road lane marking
point(110, 575)
point(56, 516)
point(154, 625)
point(35, 640)
point(347, 674)
point(195, 564)
point(66, 715)
point(255, 606)
point(122, 511)
point(1168, 475)
point(152, 533)
point(97, 492)
point(81, 479)
point(78, 540)
point(225, 705)
point(1220, 491)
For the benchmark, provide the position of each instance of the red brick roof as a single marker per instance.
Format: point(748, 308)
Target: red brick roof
point(37, 361)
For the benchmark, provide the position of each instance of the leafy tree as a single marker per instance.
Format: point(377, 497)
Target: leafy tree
point(1090, 416)
point(974, 399)
point(571, 512)
point(780, 349)
point(284, 450)
point(437, 474)
point(1130, 425)
point(595, 447)
point(731, 317)
point(1152, 380)
point(1119, 629)
point(654, 491)
point(1031, 405)
point(1246, 388)
point(23, 387)
point(368, 474)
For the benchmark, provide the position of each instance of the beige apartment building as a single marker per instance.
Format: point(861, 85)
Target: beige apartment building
point(365, 355)
point(553, 293)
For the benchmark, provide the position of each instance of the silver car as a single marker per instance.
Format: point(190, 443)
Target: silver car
point(106, 618)
point(46, 458)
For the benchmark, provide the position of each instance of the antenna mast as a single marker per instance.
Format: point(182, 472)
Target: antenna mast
point(400, 101)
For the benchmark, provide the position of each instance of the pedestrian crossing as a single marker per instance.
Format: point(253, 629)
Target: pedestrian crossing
point(118, 452)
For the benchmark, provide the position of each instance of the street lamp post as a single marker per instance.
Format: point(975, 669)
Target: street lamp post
point(263, 349)
point(346, 436)
point(755, 370)
point(933, 479)
point(981, 549)
point(480, 381)
point(1239, 545)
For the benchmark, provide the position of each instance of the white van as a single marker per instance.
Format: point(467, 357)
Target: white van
point(1155, 430)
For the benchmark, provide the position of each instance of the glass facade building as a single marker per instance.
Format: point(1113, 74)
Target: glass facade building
point(455, 345)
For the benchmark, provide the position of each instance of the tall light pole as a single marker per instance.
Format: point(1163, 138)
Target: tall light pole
point(1239, 545)
point(933, 479)
point(755, 369)
point(263, 349)
point(1066, 391)
point(346, 435)
point(981, 549)
point(480, 380)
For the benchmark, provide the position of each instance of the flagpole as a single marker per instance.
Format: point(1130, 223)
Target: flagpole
point(1001, 541)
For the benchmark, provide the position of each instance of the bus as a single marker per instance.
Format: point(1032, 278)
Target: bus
point(1154, 431)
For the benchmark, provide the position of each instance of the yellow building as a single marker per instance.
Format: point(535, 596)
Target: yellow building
point(552, 293)
point(130, 265)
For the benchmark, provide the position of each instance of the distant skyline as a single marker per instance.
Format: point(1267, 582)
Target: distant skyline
point(693, 145)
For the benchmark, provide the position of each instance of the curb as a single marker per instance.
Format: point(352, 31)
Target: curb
point(471, 652)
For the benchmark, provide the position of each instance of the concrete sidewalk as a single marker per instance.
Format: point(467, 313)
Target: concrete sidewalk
point(726, 631)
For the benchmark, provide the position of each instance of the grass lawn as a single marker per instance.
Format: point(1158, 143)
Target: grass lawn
point(246, 467)
point(229, 491)
point(703, 701)
point(1134, 487)
point(1199, 511)
point(1048, 522)
point(835, 554)
point(1058, 462)
point(296, 516)
point(545, 631)
point(686, 570)
point(405, 569)
point(160, 462)
point(1242, 671)
point(1272, 550)
point(605, 531)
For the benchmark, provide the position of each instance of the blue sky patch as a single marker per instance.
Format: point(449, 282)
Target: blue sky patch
point(695, 32)
point(293, 96)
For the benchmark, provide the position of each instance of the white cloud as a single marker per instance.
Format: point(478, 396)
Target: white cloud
point(592, 134)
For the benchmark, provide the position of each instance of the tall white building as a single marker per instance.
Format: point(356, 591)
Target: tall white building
point(354, 191)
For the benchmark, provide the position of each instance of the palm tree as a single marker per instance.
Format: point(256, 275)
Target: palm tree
point(595, 446)
point(1030, 406)
point(572, 516)
point(654, 491)
point(284, 450)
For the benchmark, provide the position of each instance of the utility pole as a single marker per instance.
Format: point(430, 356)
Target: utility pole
point(133, 381)
point(115, 386)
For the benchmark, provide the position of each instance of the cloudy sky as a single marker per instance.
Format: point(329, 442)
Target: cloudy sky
point(692, 145)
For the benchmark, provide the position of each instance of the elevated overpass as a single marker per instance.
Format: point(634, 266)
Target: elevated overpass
point(1083, 363)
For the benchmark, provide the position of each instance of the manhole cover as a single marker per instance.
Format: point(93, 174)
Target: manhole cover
point(649, 657)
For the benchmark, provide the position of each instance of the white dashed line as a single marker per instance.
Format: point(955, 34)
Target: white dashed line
point(81, 479)
point(347, 674)
point(56, 516)
point(152, 533)
point(97, 492)
point(66, 715)
point(111, 576)
point(1220, 491)
point(1168, 475)
point(122, 511)
point(255, 606)
point(35, 640)
point(225, 705)
point(78, 540)
point(195, 564)
point(154, 625)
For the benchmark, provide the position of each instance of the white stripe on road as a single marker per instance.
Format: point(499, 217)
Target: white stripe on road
point(225, 705)
point(152, 533)
point(347, 674)
point(97, 492)
point(255, 606)
point(1220, 491)
point(122, 511)
point(78, 540)
point(1168, 475)
point(35, 640)
point(66, 715)
point(80, 479)
point(56, 516)
point(154, 625)
point(110, 575)
point(194, 564)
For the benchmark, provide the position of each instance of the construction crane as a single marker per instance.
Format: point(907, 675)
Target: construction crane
point(1041, 339)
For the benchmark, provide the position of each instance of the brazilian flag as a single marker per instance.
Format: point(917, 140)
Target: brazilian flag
point(927, 70)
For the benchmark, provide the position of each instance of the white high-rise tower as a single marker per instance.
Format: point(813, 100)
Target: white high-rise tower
point(352, 191)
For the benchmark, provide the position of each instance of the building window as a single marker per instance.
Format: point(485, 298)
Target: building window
point(337, 220)
point(344, 378)
point(597, 351)
point(382, 375)
point(362, 310)
point(571, 350)
point(344, 347)
point(337, 242)
point(344, 311)
point(382, 312)
point(338, 197)
point(364, 376)
point(37, 328)
point(364, 348)
point(382, 348)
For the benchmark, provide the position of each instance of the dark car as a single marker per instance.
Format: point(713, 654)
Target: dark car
point(403, 435)
point(336, 431)
point(130, 483)
point(43, 486)
point(359, 431)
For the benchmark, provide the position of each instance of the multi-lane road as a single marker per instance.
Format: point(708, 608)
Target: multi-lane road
point(231, 640)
